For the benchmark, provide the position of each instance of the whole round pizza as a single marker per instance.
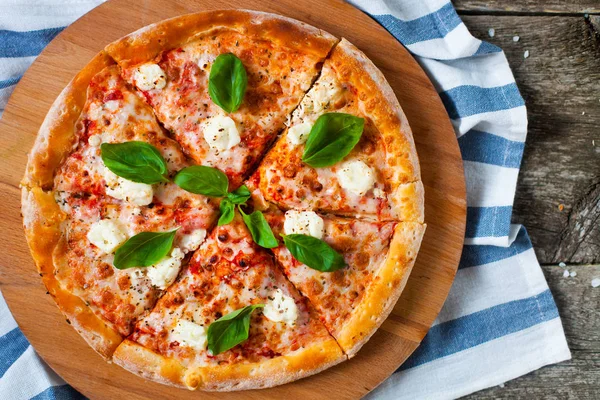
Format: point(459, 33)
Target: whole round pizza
point(225, 200)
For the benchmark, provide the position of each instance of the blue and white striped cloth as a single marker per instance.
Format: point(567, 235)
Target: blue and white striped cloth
point(500, 320)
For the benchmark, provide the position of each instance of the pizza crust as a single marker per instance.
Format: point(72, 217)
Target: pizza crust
point(56, 137)
point(379, 102)
point(224, 378)
point(147, 43)
point(383, 293)
point(43, 221)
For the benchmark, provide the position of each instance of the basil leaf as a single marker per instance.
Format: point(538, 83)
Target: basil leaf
point(227, 212)
point(314, 252)
point(230, 330)
point(259, 229)
point(332, 138)
point(136, 161)
point(144, 249)
point(227, 82)
point(240, 195)
point(204, 180)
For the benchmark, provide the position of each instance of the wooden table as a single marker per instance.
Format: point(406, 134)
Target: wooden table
point(558, 195)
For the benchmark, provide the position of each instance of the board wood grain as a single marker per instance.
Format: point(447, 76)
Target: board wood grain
point(442, 172)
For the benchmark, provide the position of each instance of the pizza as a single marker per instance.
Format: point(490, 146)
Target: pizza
point(225, 200)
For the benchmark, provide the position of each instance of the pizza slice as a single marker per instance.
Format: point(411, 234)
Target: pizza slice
point(354, 300)
point(379, 178)
point(82, 232)
point(195, 336)
point(113, 113)
point(224, 82)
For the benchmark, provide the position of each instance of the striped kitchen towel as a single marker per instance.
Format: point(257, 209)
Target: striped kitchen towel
point(500, 320)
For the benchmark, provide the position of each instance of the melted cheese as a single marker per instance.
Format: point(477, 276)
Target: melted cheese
point(193, 240)
point(304, 223)
point(356, 177)
point(298, 134)
point(163, 273)
point(150, 76)
point(221, 132)
point(107, 235)
point(281, 308)
point(139, 194)
point(190, 334)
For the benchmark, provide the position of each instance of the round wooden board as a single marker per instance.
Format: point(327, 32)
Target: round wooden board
point(442, 171)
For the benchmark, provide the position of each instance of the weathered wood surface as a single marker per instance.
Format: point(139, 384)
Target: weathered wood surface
point(578, 378)
point(528, 6)
point(561, 84)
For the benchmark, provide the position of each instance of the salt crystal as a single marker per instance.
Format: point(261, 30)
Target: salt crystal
point(526, 54)
point(595, 282)
point(491, 32)
point(562, 264)
point(573, 274)
point(566, 273)
point(516, 38)
point(583, 113)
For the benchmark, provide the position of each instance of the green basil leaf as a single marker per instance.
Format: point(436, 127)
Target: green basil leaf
point(227, 82)
point(240, 195)
point(314, 252)
point(332, 138)
point(227, 212)
point(204, 180)
point(259, 229)
point(136, 161)
point(230, 330)
point(144, 249)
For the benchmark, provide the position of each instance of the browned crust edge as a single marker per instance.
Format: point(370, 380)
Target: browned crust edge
point(147, 43)
point(378, 101)
point(383, 293)
point(56, 136)
point(43, 221)
point(224, 378)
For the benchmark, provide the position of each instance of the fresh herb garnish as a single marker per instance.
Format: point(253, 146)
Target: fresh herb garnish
point(227, 82)
point(204, 180)
point(136, 161)
point(144, 249)
point(230, 330)
point(331, 138)
point(240, 195)
point(259, 229)
point(227, 209)
point(314, 253)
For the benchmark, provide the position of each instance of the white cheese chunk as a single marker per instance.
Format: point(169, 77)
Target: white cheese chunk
point(281, 308)
point(164, 272)
point(221, 132)
point(298, 134)
point(112, 105)
point(95, 140)
point(107, 235)
point(193, 240)
point(323, 95)
point(190, 334)
point(303, 223)
point(379, 193)
point(139, 194)
point(356, 177)
point(150, 76)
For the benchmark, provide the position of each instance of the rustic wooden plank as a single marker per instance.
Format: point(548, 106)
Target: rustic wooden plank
point(528, 6)
point(560, 82)
point(578, 378)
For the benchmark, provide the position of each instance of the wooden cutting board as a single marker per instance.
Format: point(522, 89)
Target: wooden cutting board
point(445, 202)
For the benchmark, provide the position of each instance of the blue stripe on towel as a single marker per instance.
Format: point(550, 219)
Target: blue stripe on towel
point(473, 256)
point(12, 346)
point(9, 82)
point(487, 148)
point(483, 326)
point(488, 221)
point(25, 44)
point(431, 26)
point(466, 100)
